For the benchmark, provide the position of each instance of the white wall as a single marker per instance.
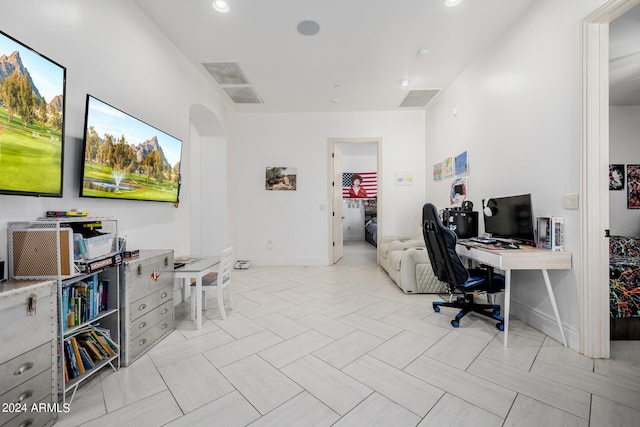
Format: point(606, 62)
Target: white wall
point(359, 163)
point(296, 222)
point(518, 116)
point(112, 51)
point(624, 148)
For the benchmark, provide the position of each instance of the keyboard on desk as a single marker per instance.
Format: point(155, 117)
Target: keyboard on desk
point(485, 240)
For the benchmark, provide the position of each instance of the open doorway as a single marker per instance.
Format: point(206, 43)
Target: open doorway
point(594, 270)
point(624, 157)
point(355, 177)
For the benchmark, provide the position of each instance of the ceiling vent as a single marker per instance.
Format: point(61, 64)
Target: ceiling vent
point(418, 97)
point(233, 81)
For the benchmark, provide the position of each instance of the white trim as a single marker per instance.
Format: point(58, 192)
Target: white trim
point(543, 322)
point(594, 272)
point(289, 260)
point(331, 148)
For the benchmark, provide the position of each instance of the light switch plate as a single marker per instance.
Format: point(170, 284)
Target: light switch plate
point(570, 201)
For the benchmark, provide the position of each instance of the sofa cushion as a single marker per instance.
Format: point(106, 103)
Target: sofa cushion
point(395, 258)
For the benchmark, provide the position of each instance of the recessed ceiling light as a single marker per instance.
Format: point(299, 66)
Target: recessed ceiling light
point(404, 83)
point(308, 28)
point(452, 3)
point(423, 52)
point(221, 6)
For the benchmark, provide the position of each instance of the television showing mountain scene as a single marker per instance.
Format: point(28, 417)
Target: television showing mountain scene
point(32, 89)
point(125, 158)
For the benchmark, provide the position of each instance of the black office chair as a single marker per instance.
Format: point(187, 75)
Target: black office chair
point(448, 267)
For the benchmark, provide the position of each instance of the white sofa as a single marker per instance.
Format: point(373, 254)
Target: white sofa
point(406, 261)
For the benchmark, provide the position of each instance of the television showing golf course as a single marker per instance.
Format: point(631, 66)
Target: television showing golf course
point(32, 91)
point(126, 158)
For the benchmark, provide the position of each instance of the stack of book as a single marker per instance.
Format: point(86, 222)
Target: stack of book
point(84, 300)
point(85, 350)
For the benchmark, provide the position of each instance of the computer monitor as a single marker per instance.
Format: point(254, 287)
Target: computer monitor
point(509, 218)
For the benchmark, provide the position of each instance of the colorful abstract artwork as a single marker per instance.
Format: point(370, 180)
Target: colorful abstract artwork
point(624, 279)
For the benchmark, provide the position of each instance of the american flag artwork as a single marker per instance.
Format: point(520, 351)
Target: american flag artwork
point(369, 183)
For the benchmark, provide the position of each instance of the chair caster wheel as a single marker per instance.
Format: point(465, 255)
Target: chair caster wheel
point(500, 326)
point(496, 312)
point(436, 308)
point(455, 323)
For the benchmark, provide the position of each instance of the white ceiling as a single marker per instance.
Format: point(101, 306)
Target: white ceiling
point(624, 59)
point(357, 60)
point(364, 49)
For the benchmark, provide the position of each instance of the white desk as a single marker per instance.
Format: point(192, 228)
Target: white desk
point(526, 258)
point(195, 268)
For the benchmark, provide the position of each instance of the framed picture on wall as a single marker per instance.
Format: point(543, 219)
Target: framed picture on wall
point(461, 164)
point(280, 178)
point(437, 172)
point(633, 186)
point(448, 166)
point(616, 177)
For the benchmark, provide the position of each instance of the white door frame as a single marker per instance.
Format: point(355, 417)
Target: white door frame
point(594, 252)
point(331, 146)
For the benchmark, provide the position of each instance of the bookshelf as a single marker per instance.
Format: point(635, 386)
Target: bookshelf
point(81, 254)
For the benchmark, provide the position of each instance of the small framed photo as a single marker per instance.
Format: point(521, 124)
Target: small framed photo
point(616, 177)
point(633, 186)
point(280, 178)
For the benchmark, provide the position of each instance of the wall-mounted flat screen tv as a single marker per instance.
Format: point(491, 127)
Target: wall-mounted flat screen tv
point(32, 99)
point(126, 158)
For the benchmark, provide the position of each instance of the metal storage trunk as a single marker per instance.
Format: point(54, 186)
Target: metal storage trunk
point(146, 292)
point(28, 365)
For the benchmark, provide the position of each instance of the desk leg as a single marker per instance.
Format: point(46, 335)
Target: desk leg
point(192, 303)
point(552, 298)
point(183, 283)
point(507, 303)
point(198, 297)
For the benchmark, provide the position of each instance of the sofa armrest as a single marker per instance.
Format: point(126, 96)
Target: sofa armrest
point(389, 239)
point(399, 245)
point(416, 274)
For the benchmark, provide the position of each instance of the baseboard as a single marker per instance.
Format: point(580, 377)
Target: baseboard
point(544, 322)
point(285, 261)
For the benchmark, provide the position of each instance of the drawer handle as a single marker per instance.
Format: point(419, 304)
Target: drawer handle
point(24, 396)
point(142, 306)
point(142, 325)
point(165, 326)
point(165, 311)
point(24, 368)
point(139, 270)
point(164, 295)
point(143, 341)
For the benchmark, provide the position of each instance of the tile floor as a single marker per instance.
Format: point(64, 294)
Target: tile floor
point(342, 345)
